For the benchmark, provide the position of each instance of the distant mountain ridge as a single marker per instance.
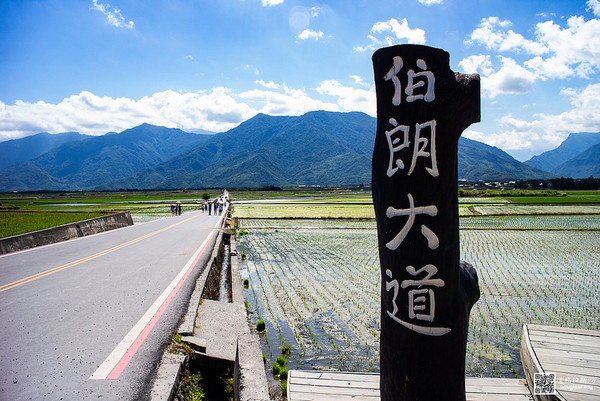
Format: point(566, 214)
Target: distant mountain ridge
point(478, 161)
point(567, 150)
point(30, 147)
point(584, 165)
point(88, 163)
point(317, 148)
point(310, 149)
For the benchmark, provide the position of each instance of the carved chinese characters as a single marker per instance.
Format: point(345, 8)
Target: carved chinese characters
point(419, 142)
point(422, 108)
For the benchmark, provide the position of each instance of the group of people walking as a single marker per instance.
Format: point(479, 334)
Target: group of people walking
point(215, 206)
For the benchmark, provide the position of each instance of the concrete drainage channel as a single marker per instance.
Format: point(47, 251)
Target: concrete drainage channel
point(215, 338)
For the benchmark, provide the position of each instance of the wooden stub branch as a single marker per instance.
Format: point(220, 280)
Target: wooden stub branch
point(427, 293)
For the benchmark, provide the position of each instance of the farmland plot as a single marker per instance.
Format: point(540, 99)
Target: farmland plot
point(316, 284)
point(512, 209)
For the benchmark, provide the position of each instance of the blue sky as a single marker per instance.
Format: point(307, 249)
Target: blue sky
point(95, 66)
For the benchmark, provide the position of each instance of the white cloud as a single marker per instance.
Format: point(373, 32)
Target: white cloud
point(574, 50)
point(547, 131)
point(511, 78)
point(546, 15)
point(479, 64)
point(474, 135)
point(584, 116)
point(268, 85)
point(431, 2)
point(286, 101)
point(310, 34)
point(113, 15)
point(491, 32)
point(350, 98)
point(87, 113)
point(359, 81)
point(558, 52)
point(393, 33)
point(401, 30)
point(508, 140)
point(216, 110)
point(593, 6)
point(267, 3)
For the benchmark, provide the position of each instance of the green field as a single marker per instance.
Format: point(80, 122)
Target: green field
point(552, 199)
point(51, 209)
point(298, 203)
point(15, 223)
point(316, 284)
point(315, 281)
point(341, 205)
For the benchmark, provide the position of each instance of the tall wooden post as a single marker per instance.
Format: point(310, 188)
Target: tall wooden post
point(427, 293)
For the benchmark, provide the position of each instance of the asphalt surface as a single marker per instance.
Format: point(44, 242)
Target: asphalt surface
point(67, 310)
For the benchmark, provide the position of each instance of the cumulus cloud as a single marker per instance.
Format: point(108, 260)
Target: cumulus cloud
point(593, 6)
point(558, 52)
point(267, 3)
point(113, 15)
point(400, 30)
point(508, 140)
point(584, 116)
point(547, 131)
point(511, 78)
point(216, 110)
point(478, 64)
point(492, 33)
point(392, 32)
point(350, 98)
point(310, 34)
point(574, 50)
point(269, 85)
point(431, 2)
point(359, 81)
point(285, 101)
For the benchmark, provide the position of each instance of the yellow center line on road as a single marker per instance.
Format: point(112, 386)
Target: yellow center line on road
point(48, 272)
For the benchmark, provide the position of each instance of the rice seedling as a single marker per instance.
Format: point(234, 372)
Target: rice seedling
point(316, 283)
point(260, 325)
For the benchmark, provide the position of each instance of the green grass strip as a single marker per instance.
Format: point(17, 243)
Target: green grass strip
point(551, 199)
point(15, 223)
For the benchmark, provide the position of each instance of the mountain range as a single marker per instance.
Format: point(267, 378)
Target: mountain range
point(30, 147)
point(578, 157)
point(90, 162)
point(317, 148)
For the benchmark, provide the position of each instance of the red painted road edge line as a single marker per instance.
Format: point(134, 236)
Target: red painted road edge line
point(122, 364)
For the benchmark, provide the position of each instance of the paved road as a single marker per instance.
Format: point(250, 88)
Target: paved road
point(89, 318)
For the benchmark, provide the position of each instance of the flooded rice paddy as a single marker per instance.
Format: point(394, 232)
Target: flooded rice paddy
point(316, 284)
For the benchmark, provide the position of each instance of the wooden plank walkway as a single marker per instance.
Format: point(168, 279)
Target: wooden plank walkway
point(312, 385)
point(572, 354)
